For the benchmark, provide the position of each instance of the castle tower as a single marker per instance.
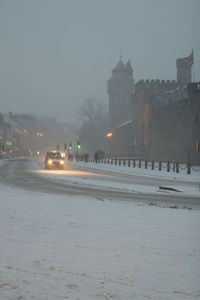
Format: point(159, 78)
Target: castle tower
point(120, 88)
point(184, 75)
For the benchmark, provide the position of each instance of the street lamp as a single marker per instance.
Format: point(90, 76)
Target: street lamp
point(109, 135)
point(78, 147)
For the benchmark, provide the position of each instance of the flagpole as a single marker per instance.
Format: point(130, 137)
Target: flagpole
point(193, 73)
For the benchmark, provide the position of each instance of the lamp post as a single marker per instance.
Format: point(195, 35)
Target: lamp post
point(78, 147)
point(109, 136)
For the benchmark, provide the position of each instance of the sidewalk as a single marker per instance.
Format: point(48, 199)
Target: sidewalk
point(182, 175)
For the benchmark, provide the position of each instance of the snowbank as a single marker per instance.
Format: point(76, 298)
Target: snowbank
point(85, 178)
point(182, 175)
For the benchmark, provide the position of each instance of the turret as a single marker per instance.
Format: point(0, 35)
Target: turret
point(120, 87)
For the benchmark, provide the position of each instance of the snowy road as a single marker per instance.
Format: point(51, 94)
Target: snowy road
point(56, 243)
point(101, 184)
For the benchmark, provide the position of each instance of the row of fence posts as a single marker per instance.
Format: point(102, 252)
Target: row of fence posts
point(122, 161)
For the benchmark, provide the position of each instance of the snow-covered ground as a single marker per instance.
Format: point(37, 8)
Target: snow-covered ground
point(62, 247)
point(81, 179)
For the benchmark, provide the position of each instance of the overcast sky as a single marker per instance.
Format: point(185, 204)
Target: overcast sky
point(56, 53)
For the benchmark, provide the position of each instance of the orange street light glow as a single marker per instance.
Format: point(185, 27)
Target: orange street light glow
point(109, 134)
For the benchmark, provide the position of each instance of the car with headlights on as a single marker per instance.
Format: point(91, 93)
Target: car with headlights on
point(54, 160)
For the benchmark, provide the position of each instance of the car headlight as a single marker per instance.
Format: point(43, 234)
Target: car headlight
point(50, 161)
point(61, 162)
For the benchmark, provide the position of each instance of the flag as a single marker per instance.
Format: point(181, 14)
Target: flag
point(190, 59)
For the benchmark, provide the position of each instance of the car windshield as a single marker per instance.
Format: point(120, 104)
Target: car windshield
point(54, 155)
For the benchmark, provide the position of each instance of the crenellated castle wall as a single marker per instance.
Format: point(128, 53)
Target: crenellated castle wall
point(166, 120)
point(156, 85)
point(175, 128)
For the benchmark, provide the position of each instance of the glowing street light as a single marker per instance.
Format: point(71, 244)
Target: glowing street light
point(109, 134)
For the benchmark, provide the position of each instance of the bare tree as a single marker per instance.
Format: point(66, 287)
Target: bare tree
point(94, 123)
point(91, 108)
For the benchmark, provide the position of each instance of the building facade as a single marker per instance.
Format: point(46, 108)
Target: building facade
point(175, 126)
point(163, 122)
point(120, 89)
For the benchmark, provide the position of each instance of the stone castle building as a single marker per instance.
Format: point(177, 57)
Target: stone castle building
point(163, 122)
point(177, 117)
point(120, 89)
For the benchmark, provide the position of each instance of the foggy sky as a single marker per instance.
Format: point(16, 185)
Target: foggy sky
point(56, 53)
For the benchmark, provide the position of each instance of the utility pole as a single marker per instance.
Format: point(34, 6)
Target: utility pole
point(78, 146)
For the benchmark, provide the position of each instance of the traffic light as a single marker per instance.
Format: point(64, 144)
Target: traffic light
point(70, 146)
point(78, 145)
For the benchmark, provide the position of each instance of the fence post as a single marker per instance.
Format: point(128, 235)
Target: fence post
point(168, 166)
point(108, 161)
point(134, 163)
point(177, 167)
point(146, 164)
point(152, 165)
point(105, 160)
point(119, 161)
point(129, 162)
point(115, 161)
point(139, 163)
point(188, 168)
point(124, 162)
point(160, 165)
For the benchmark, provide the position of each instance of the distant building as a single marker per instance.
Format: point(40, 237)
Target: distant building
point(28, 134)
point(7, 133)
